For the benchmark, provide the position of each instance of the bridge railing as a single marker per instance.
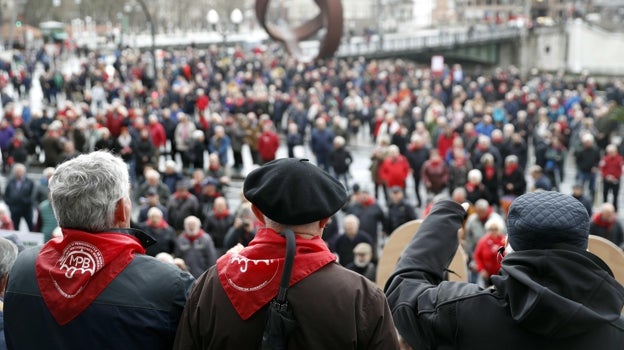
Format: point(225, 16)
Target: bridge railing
point(416, 42)
point(356, 46)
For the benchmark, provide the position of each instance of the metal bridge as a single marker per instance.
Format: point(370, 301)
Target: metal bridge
point(427, 41)
point(479, 45)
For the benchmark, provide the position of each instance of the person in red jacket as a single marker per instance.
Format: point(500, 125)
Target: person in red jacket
point(611, 171)
point(486, 254)
point(268, 142)
point(394, 169)
point(157, 134)
point(202, 101)
point(434, 173)
point(445, 139)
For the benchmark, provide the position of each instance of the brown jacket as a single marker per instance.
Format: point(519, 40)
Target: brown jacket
point(335, 308)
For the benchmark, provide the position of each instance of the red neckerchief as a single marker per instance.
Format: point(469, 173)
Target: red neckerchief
point(368, 202)
point(510, 168)
point(183, 196)
point(192, 238)
point(6, 223)
point(485, 217)
point(435, 162)
point(490, 171)
point(470, 187)
point(599, 221)
point(73, 270)
point(252, 276)
point(161, 224)
point(221, 214)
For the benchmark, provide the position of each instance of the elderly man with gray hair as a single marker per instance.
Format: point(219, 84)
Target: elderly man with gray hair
point(94, 286)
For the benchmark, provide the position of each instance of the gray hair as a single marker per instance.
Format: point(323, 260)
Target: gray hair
point(153, 211)
point(8, 254)
point(84, 191)
point(311, 227)
point(512, 158)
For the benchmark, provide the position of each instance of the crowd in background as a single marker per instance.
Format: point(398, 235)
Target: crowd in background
point(183, 129)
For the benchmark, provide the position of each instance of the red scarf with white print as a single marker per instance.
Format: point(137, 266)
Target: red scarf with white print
point(74, 269)
point(252, 276)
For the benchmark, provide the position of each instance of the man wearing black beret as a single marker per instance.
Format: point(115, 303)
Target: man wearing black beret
point(550, 293)
point(334, 307)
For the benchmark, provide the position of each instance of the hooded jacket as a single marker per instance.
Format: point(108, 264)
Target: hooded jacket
point(542, 299)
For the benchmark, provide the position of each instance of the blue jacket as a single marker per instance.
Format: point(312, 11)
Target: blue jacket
point(140, 309)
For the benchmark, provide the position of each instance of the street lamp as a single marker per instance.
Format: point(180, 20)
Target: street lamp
point(236, 17)
point(152, 27)
point(213, 19)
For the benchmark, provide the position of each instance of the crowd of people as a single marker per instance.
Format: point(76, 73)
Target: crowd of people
point(181, 132)
point(457, 134)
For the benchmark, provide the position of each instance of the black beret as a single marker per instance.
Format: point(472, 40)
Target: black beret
point(294, 191)
point(547, 219)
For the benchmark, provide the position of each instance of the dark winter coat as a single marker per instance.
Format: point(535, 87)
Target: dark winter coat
point(146, 295)
point(351, 314)
point(19, 199)
point(217, 228)
point(340, 159)
point(515, 178)
point(543, 299)
point(165, 239)
point(343, 246)
point(612, 231)
point(416, 158)
point(199, 254)
point(371, 216)
point(398, 214)
point(587, 158)
point(321, 141)
point(179, 207)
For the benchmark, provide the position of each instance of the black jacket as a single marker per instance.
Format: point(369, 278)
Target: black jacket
point(587, 158)
point(139, 309)
point(398, 214)
point(416, 159)
point(543, 299)
point(340, 159)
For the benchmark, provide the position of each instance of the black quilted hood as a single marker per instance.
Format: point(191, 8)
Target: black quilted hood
point(559, 293)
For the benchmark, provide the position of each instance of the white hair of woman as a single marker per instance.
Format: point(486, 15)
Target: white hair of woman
point(496, 222)
point(86, 190)
point(475, 176)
